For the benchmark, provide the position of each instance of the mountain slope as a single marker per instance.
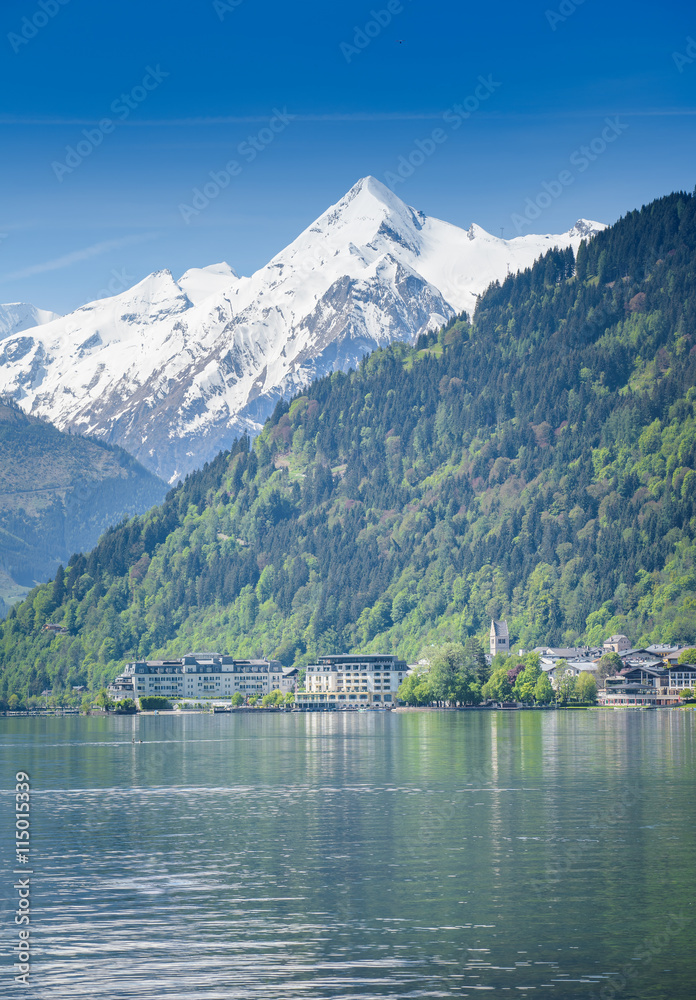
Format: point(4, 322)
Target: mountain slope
point(18, 316)
point(173, 370)
point(58, 493)
point(538, 466)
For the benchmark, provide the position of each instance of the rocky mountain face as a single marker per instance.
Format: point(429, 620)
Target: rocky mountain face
point(173, 370)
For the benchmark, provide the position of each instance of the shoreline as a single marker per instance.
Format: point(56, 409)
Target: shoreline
point(246, 710)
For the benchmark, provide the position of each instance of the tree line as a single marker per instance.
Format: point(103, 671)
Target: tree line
point(457, 675)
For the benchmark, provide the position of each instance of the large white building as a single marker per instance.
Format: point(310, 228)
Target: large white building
point(357, 680)
point(203, 676)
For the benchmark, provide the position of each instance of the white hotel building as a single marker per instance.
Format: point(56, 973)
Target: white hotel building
point(202, 676)
point(352, 681)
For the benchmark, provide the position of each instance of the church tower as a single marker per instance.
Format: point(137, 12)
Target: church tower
point(500, 638)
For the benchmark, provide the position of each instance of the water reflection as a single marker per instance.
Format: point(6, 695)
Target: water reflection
point(313, 856)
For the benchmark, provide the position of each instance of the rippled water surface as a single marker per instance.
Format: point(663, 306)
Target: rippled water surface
point(320, 856)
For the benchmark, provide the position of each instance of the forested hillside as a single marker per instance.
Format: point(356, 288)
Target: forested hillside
point(538, 465)
point(58, 493)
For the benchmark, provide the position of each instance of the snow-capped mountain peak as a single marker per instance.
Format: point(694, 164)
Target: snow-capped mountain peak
point(200, 282)
point(585, 228)
point(173, 370)
point(368, 208)
point(18, 316)
point(367, 198)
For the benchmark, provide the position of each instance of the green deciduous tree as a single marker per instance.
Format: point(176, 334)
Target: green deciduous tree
point(403, 603)
point(273, 699)
point(609, 665)
point(452, 679)
point(415, 689)
point(532, 660)
point(586, 689)
point(543, 691)
point(498, 687)
point(154, 703)
point(103, 700)
point(525, 683)
point(565, 686)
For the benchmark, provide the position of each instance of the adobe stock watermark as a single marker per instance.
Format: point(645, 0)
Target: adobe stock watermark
point(600, 825)
point(682, 59)
point(119, 281)
point(565, 10)
point(580, 159)
point(122, 107)
point(437, 818)
point(365, 35)
point(455, 116)
point(22, 886)
point(224, 7)
point(32, 25)
point(648, 950)
point(248, 150)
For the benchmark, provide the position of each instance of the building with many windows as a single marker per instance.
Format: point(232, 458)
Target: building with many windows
point(202, 676)
point(357, 680)
point(648, 685)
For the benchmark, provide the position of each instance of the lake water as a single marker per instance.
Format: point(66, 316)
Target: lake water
point(425, 854)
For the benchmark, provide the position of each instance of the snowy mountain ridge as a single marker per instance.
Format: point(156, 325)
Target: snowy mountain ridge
point(18, 316)
point(174, 370)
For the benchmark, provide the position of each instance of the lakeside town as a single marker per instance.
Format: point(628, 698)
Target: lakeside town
point(615, 675)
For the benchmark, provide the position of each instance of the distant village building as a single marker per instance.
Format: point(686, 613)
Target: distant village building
point(55, 629)
point(358, 680)
point(553, 653)
point(640, 657)
point(642, 686)
point(658, 653)
point(500, 638)
point(202, 676)
point(616, 644)
point(668, 654)
point(555, 669)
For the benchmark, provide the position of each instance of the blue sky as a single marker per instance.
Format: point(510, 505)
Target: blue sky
point(306, 98)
